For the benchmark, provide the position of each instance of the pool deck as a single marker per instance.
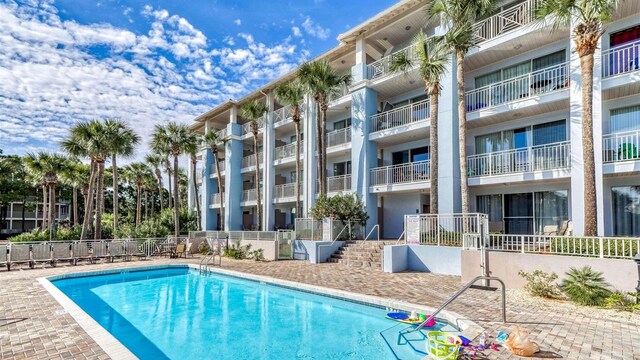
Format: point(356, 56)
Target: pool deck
point(34, 326)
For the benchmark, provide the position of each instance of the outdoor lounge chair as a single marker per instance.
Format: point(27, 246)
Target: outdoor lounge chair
point(133, 250)
point(4, 255)
point(41, 253)
point(116, 250)
point(61, 252)
point(181, 250)
point(550, 230)
point(99, 251)
point(80, 251)
point(19, 254)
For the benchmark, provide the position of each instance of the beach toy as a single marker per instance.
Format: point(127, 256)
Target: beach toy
point(502, 336)
point(442, 345)
point(397, 316)
point(465, 341)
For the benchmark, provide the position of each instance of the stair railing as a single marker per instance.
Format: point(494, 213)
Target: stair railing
point(376, 226)
point(331, 244)
point(400, 237)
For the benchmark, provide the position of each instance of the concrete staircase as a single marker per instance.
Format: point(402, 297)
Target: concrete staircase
point(360, 253)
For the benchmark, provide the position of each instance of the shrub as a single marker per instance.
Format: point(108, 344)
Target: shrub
point(623, 301)
point(585, 286)
point(257, 254)
point(346, 207)
point(204, 248)
point(235, 251)
point(591, 247)
point(540, 283)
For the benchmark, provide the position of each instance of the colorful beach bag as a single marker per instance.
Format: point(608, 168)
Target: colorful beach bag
point(442, 345)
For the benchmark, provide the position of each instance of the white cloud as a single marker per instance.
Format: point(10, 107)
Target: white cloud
point(315, 30)
point(237, 22)
point(296, 31)
point(51, 79)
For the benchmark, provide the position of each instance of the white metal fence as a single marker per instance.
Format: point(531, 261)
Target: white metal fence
point(289, 150)
point(621, 59)
point(284, 114)
point(622, 146)
point(383, 66)
point(520, 87)
point(214, 172)
point(340, 183)
point(250, 160)
point(215, 199)
point(308, 229)
point(286, 191)
point(462, 230)
point(249, 195)
point(400, 174)
point(339, 137)
point(328, 230)
point(247, 127)
point(536, 158)
point(508, 19)
point(400, 116)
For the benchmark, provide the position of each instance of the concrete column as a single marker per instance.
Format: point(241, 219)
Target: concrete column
point(363, 152)
point(268, 170)
point(575, 137)
point(191, 194)
point(310, 169)
point(209, 187)
point(233, 178)
point(359, 70)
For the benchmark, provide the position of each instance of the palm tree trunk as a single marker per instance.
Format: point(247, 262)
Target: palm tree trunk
point(88, 203)
point(160, 191)
point(176, 196)
point(323, 158)
point(75, 206)
point(169, 202)
point(462, 134)
point(114, 168)
point(146, 205)
point(138, 205)
point(319, 146)
point(590, 202)
point(52, 209)
point(257, 181)
point(195, 187)
point(297, 124)
point(433, 152)
point(220, 188)
point(44, 207)
point(99, 200)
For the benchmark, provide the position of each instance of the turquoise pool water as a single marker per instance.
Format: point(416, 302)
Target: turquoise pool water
point(177, 313)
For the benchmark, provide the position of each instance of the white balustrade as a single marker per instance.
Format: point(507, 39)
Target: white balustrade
point(249, 195)
point(214, 171)
point(622, 146)
point(340, 183)
point(401, 174)
point(402, 115)
point(508, 19)
point(621, 59)
point(222, 133)
point(543, 157)
point(215, 199)
point(286, 191)
point(525, 86)
point(382, 67)
point(285, 114)
point(247, 127)
point(289, 150)
point(250, 160)
point(339, 137)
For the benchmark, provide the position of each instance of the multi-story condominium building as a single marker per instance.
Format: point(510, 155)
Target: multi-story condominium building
point(20, 218)
point(524, 136)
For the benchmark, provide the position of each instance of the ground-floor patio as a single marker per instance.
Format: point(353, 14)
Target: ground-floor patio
point(34, 326)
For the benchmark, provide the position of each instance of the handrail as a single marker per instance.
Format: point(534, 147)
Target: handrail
point(376, 226)
point(456, 295)
point(329, 245)
point(400, 237)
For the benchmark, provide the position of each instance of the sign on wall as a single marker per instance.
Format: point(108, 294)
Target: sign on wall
point(412, 229)
point(326, 229)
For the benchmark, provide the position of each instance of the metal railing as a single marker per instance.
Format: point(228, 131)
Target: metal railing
point(401, 174)
point(250, 160)
point(382, 67)
point(339, 137)
point(553, 78)
point(600, 247)
point(308, 229)
point(621, 59)
point(463, 230)
point(537, 158)
point(284, 114)
point(622, 146)
point(402, 115)
point(375, 227)
point(506, 20)
point(215, 199)
point(286, 191)
point(252, 235)
point(339, 183)
point(221, 134)
point(344, 91)
point(246, 127)
point(287, 151)
point(249, 195)
point(214, 171)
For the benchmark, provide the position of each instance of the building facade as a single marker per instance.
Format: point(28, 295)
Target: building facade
point(21, 218)
point(524, 135)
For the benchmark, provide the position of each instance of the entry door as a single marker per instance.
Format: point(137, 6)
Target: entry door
point(518, 213)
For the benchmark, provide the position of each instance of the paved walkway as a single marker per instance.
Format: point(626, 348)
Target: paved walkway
point(34, 326)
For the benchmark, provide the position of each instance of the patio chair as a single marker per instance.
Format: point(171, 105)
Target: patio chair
point(116, 250)
point(98, 251)
point(550, 230)
point(181, 250)
point(133, 250)
point(41, 253)
point(4, 255)
point(61, 252)
point(19, 254)
point(80, 251)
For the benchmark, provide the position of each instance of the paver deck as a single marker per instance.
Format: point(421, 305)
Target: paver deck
point(34, 326)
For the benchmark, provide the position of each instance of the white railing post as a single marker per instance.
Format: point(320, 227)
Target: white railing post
point(601, 247)
point(522, 244)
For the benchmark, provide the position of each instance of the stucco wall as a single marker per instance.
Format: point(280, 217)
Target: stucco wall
point(313, 251)
point(621, 274)
point(269, 248)
point(426, 258)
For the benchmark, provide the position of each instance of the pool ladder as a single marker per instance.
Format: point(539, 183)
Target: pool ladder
point(210, 260)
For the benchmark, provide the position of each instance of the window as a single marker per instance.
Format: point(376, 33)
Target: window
point(293, 175)
point(342, 168)
point(292, 139)
point(339, 125)
point(624, 36)
point(626, 210)
point(411, 155)
point(547, 133)
point(625, 119)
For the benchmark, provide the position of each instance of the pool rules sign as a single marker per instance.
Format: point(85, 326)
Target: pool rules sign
point(412, 229)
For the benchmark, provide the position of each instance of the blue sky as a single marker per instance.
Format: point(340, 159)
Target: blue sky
point(149, 61)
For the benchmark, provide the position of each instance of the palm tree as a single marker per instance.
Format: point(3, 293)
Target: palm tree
point(291, 94)
point(135, 174)
point(155, 161)
point(253, 111)
point(212, 140)
point(172, 138)
point(460, 15)
point(50, 166)
point(431, 58)
point(122, 141)
point(589, 18)
point(169, 171)
point(322, 82)
point(192, 148)
point(77, 177)
point(89, 139)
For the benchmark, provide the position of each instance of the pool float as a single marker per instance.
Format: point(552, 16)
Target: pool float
point(406, 319)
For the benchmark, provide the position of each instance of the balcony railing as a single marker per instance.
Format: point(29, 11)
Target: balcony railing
point(249, 195)
point(539, 82)
point(339, 183)
point(222, 133)
point(400, 116)
point(543, 157)
point(215, 199)
point(246, 128)
point(506, 20)
point(382, 67)
point(289, 150)
point(339, 137)
point(250, 160)
point(286, 191)
point(344, 90)
point(401, 174)
point(622, 146)
point(621, 59)
point(284, 114)
point(214, 171)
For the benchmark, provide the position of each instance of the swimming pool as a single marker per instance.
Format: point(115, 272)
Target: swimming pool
point(178, 313)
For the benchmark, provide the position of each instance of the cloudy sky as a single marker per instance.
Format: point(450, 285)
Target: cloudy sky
point(149, 61)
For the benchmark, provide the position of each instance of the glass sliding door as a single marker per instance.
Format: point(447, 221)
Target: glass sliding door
point(518, 213)
point(551, 209)
point(626, 210)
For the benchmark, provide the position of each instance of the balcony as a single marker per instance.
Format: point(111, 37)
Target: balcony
point(556, 156)
point(284, 115)
point(401, 174)
point(214, 172)
point(250, 160)
point(621, 147)
point(286, 192)
point(339, 137)
point(380, 68)
point(621, 59)
point(199, 176)
point(505, 21)
point(249, 195)
point(534, 84)
point(336, 184)
point(214, 201)
point(288, 151)
point(246, 128)
point(401, 116)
